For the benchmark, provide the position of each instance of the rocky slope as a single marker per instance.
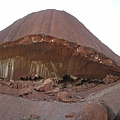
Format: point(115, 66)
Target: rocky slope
point(16, 108)
point(53, 43)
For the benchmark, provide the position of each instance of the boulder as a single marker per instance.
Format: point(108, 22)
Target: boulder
point(63, 97)
point(110, 78)
point(70, 114)
point(55, 90)
point(47, 85)
point(19, 84)
point(97, 111)
point(11, 82)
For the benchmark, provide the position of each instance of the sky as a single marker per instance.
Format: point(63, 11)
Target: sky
point(101, 17)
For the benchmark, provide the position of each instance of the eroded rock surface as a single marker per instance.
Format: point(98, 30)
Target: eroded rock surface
point(97, 111)
point(53, 48)
point(63, 97)
point(58, 46)
point(110, 79)
point(58, 24)
point(53, 44)
point(47, 85)
point(16, 107)
point(41, 55)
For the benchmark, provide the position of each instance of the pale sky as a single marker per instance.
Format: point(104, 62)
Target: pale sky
point(101, 17)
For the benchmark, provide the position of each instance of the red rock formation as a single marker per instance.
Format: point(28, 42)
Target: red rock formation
point(53, 43)
point(97, 111)
point(46, 86)
point(110, 79)
point(63, 97)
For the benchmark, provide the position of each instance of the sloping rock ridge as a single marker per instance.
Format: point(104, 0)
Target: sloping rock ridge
point(52, 43)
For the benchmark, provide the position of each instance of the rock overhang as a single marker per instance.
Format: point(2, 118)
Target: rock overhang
point(53, 43)
point(48, 56)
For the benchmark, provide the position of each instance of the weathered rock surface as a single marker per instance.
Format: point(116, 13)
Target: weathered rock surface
point(110, 79)
point(53, 43)
point(97, 111)
point(63, 97)
point(14, 107)
point(38, 57)
point(58, 24)
point(117, 116)
point(47, 85)
point(55, 90)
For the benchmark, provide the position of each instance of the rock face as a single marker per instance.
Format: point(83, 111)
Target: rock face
point(97, 111)
point(53, 43)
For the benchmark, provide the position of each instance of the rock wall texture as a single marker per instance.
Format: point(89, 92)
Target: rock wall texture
point(53, 43)
point(47, 56)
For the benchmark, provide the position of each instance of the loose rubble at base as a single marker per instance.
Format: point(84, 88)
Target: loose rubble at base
point(52, 88)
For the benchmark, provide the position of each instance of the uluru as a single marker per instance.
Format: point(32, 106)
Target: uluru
point(53, 43)
point(50, 55)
